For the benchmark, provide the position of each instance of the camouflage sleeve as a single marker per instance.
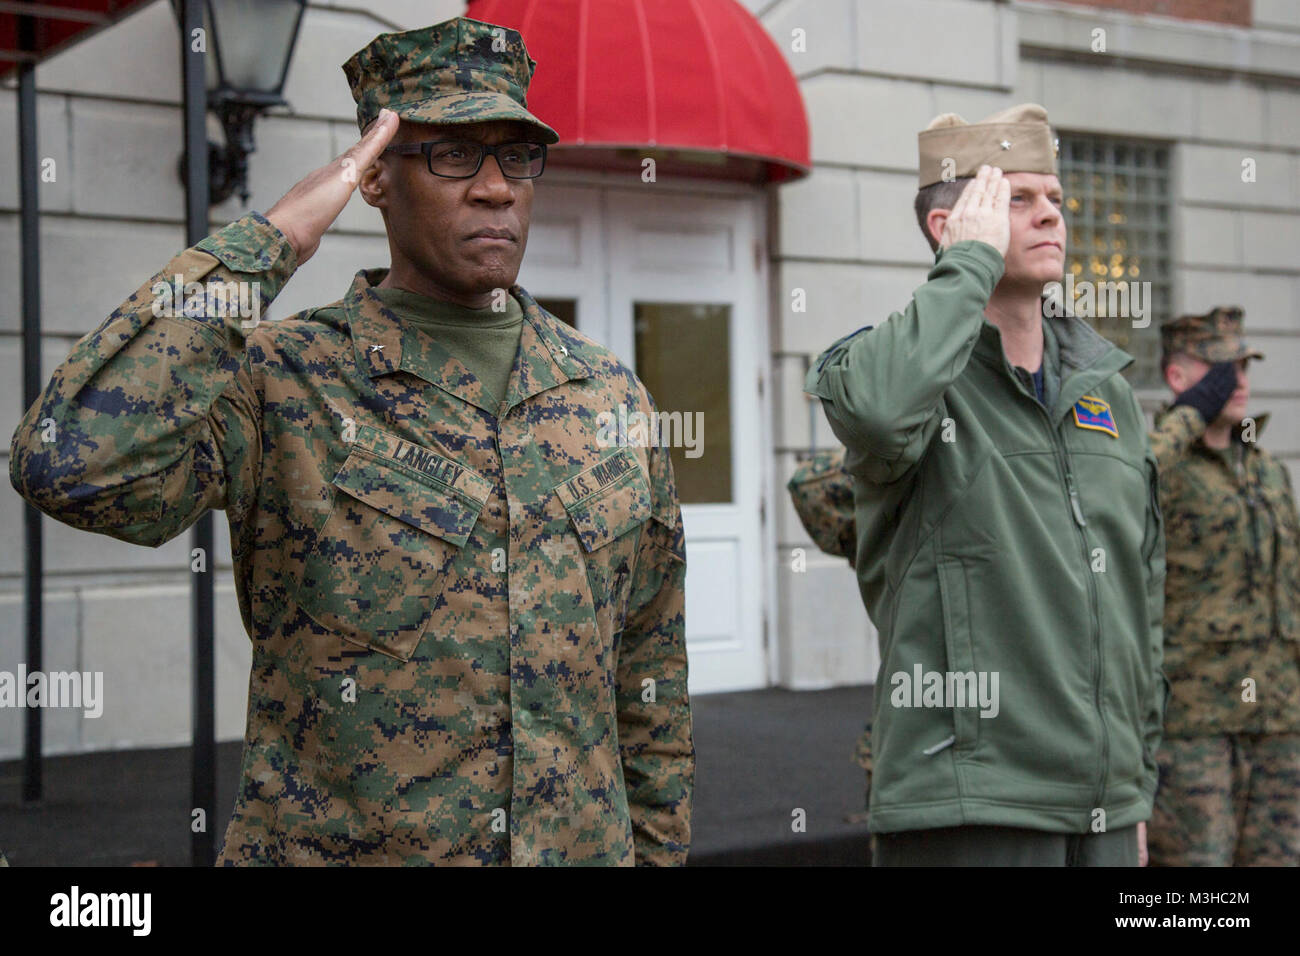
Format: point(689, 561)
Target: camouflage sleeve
point(153, 417)
point(1153, 553)
point(822, 492)
point(1176, 431)
point(654, 711)
point(1289, 485)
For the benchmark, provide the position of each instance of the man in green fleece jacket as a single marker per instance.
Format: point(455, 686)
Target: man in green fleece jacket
point(1009, 542)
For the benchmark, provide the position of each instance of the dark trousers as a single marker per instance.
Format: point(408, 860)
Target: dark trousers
point(1004, 846)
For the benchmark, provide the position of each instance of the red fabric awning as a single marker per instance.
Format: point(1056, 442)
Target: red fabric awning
point(57, 25)
point(680, 76)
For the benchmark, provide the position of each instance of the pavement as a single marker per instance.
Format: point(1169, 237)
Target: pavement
point(775, 785)
point(763, 755)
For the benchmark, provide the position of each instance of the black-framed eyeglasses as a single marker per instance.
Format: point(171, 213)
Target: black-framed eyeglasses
point(454, 159)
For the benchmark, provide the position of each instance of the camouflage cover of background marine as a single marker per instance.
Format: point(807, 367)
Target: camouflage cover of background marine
point(822, 492)
point(467, 627)
point(1214, 337)
point(1232, 630)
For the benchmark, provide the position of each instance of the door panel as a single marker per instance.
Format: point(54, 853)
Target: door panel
point(695, 253)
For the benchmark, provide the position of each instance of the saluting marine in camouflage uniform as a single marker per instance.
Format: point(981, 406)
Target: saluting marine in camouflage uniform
point(466, 610)
point(1230, 767)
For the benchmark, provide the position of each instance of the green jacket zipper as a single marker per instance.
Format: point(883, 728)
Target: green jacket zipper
point(1076, 510)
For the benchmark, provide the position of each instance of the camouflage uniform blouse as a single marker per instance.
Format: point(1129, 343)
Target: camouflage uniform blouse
point(467, 621)
point(1232, 594)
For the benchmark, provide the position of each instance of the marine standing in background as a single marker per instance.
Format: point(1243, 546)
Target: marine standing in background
point(1230, 766)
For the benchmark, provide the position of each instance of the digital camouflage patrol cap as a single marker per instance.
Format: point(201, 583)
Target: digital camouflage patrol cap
point(460, 71)
point(1214, 337)
point(1016, 140)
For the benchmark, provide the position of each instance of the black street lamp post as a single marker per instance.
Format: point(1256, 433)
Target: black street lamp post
point(234, 57)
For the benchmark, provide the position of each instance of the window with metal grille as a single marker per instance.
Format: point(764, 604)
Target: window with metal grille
point(1118, 211)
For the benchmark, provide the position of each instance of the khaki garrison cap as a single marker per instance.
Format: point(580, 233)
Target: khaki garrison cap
point(460, 71)
point(1214, 337)
point(1016, 140)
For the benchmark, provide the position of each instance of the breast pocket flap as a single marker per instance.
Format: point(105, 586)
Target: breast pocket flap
point(606, 500)
point(442, 498)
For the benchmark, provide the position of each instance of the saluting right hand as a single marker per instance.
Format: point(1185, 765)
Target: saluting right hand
point(306, 210)
point(983, 212)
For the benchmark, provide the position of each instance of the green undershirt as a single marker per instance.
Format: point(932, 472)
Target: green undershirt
point(485, 341)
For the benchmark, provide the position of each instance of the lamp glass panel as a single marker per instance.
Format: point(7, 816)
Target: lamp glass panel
point(253, 38)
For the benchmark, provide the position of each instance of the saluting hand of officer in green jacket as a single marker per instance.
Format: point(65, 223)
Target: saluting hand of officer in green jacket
point(982, 212)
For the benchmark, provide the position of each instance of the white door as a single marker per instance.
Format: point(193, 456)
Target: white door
point(672, 282)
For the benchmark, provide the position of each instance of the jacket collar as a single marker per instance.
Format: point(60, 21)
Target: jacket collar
point(384, 345)
point(1085, 358)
